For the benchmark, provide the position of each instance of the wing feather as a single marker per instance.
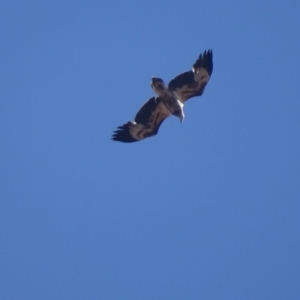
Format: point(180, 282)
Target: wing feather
point(192, 83)
point(146, 123)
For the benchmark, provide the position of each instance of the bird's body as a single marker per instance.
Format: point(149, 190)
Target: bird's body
point(168, 97)
point(169, 101)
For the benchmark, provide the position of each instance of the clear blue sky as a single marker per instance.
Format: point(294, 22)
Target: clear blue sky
point(205, 210)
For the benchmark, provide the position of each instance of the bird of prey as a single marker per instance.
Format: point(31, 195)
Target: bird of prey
point(169, 101)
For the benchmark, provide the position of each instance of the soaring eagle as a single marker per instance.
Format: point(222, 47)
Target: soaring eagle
point(170, 101)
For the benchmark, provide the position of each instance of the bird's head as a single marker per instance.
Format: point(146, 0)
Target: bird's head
point(158, 85)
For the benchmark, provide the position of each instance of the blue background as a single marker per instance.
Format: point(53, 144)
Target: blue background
point(204, 210)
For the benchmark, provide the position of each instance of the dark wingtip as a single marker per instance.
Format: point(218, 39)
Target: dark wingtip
point(122, 134)
point(205, 60)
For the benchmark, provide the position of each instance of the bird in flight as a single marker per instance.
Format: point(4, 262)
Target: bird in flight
point(169, 101)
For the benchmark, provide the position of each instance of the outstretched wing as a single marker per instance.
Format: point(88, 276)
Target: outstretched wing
point(146, 123)
point(192, 83)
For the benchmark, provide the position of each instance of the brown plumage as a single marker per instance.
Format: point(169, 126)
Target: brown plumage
point(170, 101)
